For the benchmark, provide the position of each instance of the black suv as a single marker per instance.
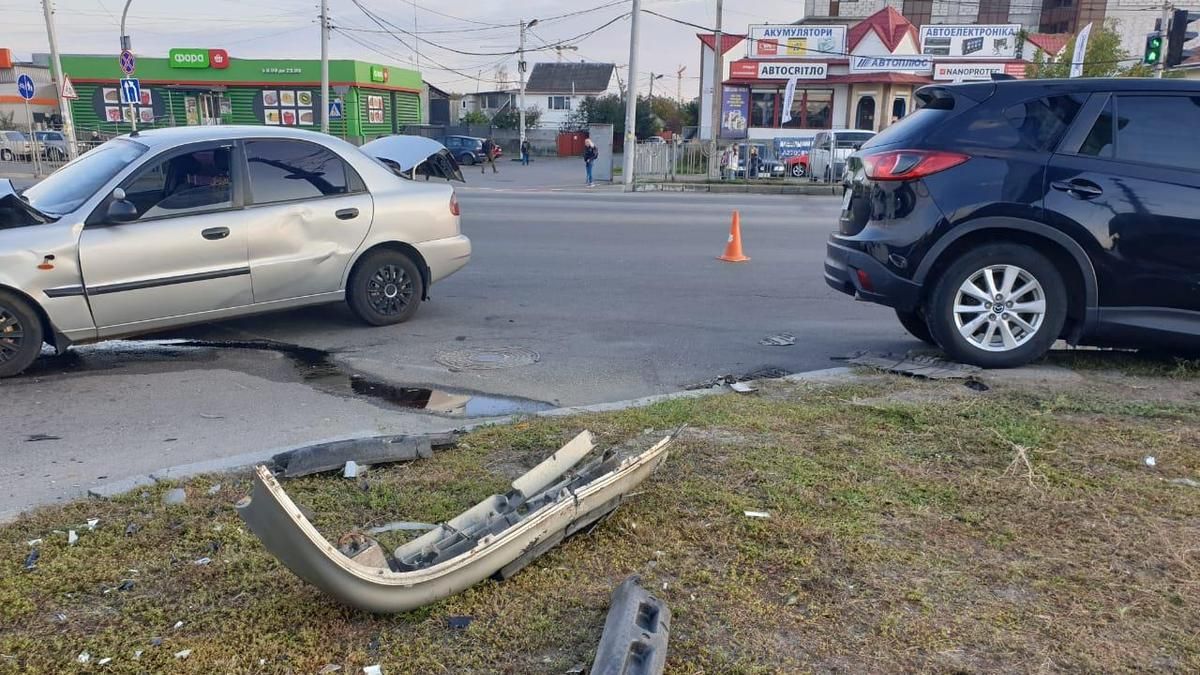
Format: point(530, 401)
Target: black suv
point(1001, 216)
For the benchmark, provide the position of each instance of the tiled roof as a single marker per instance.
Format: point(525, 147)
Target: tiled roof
point(888, 24)
point(1051, 43)
point(728, 41)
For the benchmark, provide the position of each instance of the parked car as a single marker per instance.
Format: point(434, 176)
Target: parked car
point(52, 145)
point(827, 158)
point(768, 165)
point(1002, 216)
point(194, 224)
point(15, 145)
point(797, 166)
point(655, 139)
point(469, 149)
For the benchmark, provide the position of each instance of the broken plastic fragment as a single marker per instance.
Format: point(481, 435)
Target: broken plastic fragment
point(137, 655)
point(83, 657)
point(34, 542)
point(178, 625)
point(351, 470)
point(92, 523)
point(202, 561)
point(329, 668)
point(757, 514)
point(459, 622)
point(104, 661)
point(742, 387)
point(72, 537)
point(183, 654)
point(31, 560)
point(372, 670)
point(1150, 461)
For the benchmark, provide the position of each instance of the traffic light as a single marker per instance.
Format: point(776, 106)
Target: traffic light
point(1153, 53)
point(1178, 35)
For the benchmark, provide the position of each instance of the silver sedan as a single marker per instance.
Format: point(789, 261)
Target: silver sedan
point(190, 225)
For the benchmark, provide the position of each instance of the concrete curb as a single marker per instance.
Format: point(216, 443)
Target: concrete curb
point(717, 188)
point(249, 459)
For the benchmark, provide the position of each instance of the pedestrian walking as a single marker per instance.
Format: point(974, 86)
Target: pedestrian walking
point(590, 153)
point(489, 156)
point(525, 148)
point(753, 165)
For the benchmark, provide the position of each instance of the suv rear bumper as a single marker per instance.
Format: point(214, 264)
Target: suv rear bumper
point(842, 266)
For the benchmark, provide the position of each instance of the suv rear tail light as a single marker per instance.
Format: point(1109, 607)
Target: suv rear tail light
point(454, 210)
point(909, 164)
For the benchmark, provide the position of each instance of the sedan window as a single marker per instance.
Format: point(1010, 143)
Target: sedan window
point(284, 171)
point(69, 187)
point(194, 182)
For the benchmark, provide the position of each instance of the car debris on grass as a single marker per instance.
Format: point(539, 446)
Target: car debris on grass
point(635, 635)
point(360, 452)
point(498, 536)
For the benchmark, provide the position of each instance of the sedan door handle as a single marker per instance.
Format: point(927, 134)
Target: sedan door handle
point(347, 214)
point(215, 233)
point(1080, 189)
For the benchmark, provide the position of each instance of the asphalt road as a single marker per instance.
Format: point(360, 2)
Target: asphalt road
point(612, 296)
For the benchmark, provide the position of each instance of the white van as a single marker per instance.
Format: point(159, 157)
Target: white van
point(827, 158)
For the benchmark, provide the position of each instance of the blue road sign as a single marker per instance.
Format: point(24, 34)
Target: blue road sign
point(128, 62)
point(25, 87)
point(131, 91)
point(335, 110)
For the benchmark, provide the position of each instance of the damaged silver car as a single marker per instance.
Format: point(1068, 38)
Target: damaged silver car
point(179, 226)
point(496, 537)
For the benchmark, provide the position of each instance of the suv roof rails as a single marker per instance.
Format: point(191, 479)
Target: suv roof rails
point(1000, 77)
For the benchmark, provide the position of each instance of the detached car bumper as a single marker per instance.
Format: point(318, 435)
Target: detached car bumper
point(855, 272)
point(445, 256)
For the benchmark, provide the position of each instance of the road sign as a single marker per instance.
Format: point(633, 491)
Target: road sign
point(25, 87)
point(131, 91)
point(128, 62)
point(335, 109)
point(68, 89)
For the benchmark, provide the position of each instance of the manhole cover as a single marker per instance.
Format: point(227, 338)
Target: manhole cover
point(487, 358)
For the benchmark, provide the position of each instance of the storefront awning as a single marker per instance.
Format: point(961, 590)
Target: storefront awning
point(856, 78)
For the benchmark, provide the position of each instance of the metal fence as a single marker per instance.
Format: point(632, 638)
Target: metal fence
point(665, 161)
point(27, 159)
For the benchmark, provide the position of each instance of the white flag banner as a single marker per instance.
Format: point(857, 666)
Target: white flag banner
point(788, 96)
point(1080, 54)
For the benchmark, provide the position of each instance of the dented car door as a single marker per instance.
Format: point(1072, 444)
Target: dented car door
point(308, 211)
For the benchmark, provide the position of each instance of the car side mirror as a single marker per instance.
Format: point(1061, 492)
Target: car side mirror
point(120, 209)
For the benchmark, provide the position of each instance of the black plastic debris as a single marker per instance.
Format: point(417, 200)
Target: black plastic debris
point(635, 633)
point(131, 529)
point(459, 622)
point(31, 560)
point(378, 450)
point(975, 384)
point(126, 585)
point(34, 438)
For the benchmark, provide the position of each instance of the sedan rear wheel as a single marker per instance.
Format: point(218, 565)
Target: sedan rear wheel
point(385, 288)
point(20, 335)
point(1000, 306)
point(798, 170)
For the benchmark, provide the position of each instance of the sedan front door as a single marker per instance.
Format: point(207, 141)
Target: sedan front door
point(307, 213)
point(185, 253)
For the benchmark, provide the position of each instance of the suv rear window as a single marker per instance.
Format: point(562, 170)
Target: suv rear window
point(1036, 124)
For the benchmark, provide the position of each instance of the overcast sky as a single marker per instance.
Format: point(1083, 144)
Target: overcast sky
point(289, 29)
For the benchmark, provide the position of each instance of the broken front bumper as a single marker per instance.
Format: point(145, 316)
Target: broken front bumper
point(498, 536)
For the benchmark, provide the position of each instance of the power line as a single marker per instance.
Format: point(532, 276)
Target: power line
point(457, 18)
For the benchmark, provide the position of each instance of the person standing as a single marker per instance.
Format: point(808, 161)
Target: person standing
point(753, 164)
point(489, 156)
point(525, 148)
point(590, 153)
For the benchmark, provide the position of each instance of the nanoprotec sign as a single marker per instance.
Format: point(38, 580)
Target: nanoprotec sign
point(969, 41)
point(891, 64)
point(188, 58)
point(796, 42)
point(787, 71)
point(958, 72)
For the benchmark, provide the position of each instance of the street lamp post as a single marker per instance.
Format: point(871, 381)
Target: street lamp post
point(64, 104)
point(126, 43)
point(653, 77)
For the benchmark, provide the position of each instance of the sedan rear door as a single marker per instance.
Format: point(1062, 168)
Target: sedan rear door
point(307, 213)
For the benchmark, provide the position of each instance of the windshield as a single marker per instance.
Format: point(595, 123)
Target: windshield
point(845, 141)
point(69, 187)
point(46, 136)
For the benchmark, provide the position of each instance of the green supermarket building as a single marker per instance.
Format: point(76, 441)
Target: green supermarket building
point(193, 87)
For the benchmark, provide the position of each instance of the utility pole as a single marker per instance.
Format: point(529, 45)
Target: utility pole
point(64, 104)
point(325, 100)
point(631, 99)
point(653, 77)
point(1160, 66)
point(679, 84)
point(521, 72)
point(714, 166)
point(127, 44)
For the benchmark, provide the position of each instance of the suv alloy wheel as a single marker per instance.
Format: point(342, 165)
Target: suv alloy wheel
point(998, 306)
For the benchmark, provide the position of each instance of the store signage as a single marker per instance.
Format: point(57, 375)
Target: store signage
point(743, 70)
point(277, 70)
point(968, 41)
point(958, 72)
point(891, 64)
point(198, 58)
point(791, 42)
point(187, 58)
point(787, 71)
point(379, 74)
point(735, 112)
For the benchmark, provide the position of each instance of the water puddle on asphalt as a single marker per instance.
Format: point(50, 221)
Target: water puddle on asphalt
point(314, 367)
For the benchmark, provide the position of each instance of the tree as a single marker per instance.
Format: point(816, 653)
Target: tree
point(1104, 57)
point(475, 118)
point(611, 110)
point(510, 118)
point(7, 121)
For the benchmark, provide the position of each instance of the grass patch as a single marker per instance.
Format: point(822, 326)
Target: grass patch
point(899, 541)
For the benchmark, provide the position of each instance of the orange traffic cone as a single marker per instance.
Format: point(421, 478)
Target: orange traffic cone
point(733, 250)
